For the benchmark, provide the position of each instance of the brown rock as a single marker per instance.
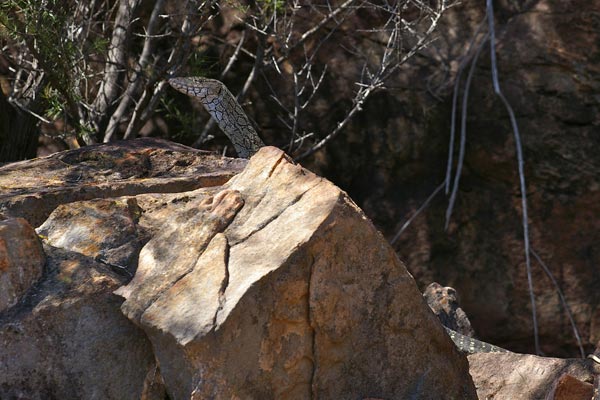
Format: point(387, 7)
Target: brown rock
point(571, 388)
point(34, 188)
point(510, 376)
point(21, 260)
point(106, 230)
point(68, 339)
point(278, 286)
point(154, 386)
point(273, 285)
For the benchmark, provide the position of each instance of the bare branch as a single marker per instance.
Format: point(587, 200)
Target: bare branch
point(193, 21)
point(454, 101)
point(116, 59)
point(331, 16)
point(416, 213)
point(519, 149)
point(136, 80)
point(563, 301)
point(463, 133)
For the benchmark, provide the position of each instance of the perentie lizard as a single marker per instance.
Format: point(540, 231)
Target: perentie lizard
point(469, 345)
point(223, 107)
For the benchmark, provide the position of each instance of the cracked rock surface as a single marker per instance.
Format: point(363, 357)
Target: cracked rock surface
point(272, 285)
point(32, 189)
point(277, 286)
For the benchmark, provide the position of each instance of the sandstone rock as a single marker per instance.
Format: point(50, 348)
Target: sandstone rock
point(68, 339)
point(571, 388)
point(527, 377)
point(272, 285)
point(277, 286)
point(32, 189)
point(21, 260)
point(106, 230)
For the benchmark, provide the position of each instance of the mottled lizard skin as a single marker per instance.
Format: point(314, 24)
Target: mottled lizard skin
point(469, 345)
point(223, 107)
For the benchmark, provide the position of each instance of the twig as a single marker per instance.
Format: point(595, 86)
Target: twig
point(116, 59)
point(515, 128)
point(360, 98)
point(463, 133)
point(322, 23)
point(563, 301)
point(136, 80)
point(416, 213)
point(387, 66)
point(156, 84)
point(454, 101)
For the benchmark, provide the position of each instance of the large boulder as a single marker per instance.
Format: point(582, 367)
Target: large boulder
point(277, 286)
point(272, 285)
point(63, 335)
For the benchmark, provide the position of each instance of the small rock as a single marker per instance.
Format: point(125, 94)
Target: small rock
point(509, 376)
point(570, 388)
point(21, 260)
point(104, 229)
